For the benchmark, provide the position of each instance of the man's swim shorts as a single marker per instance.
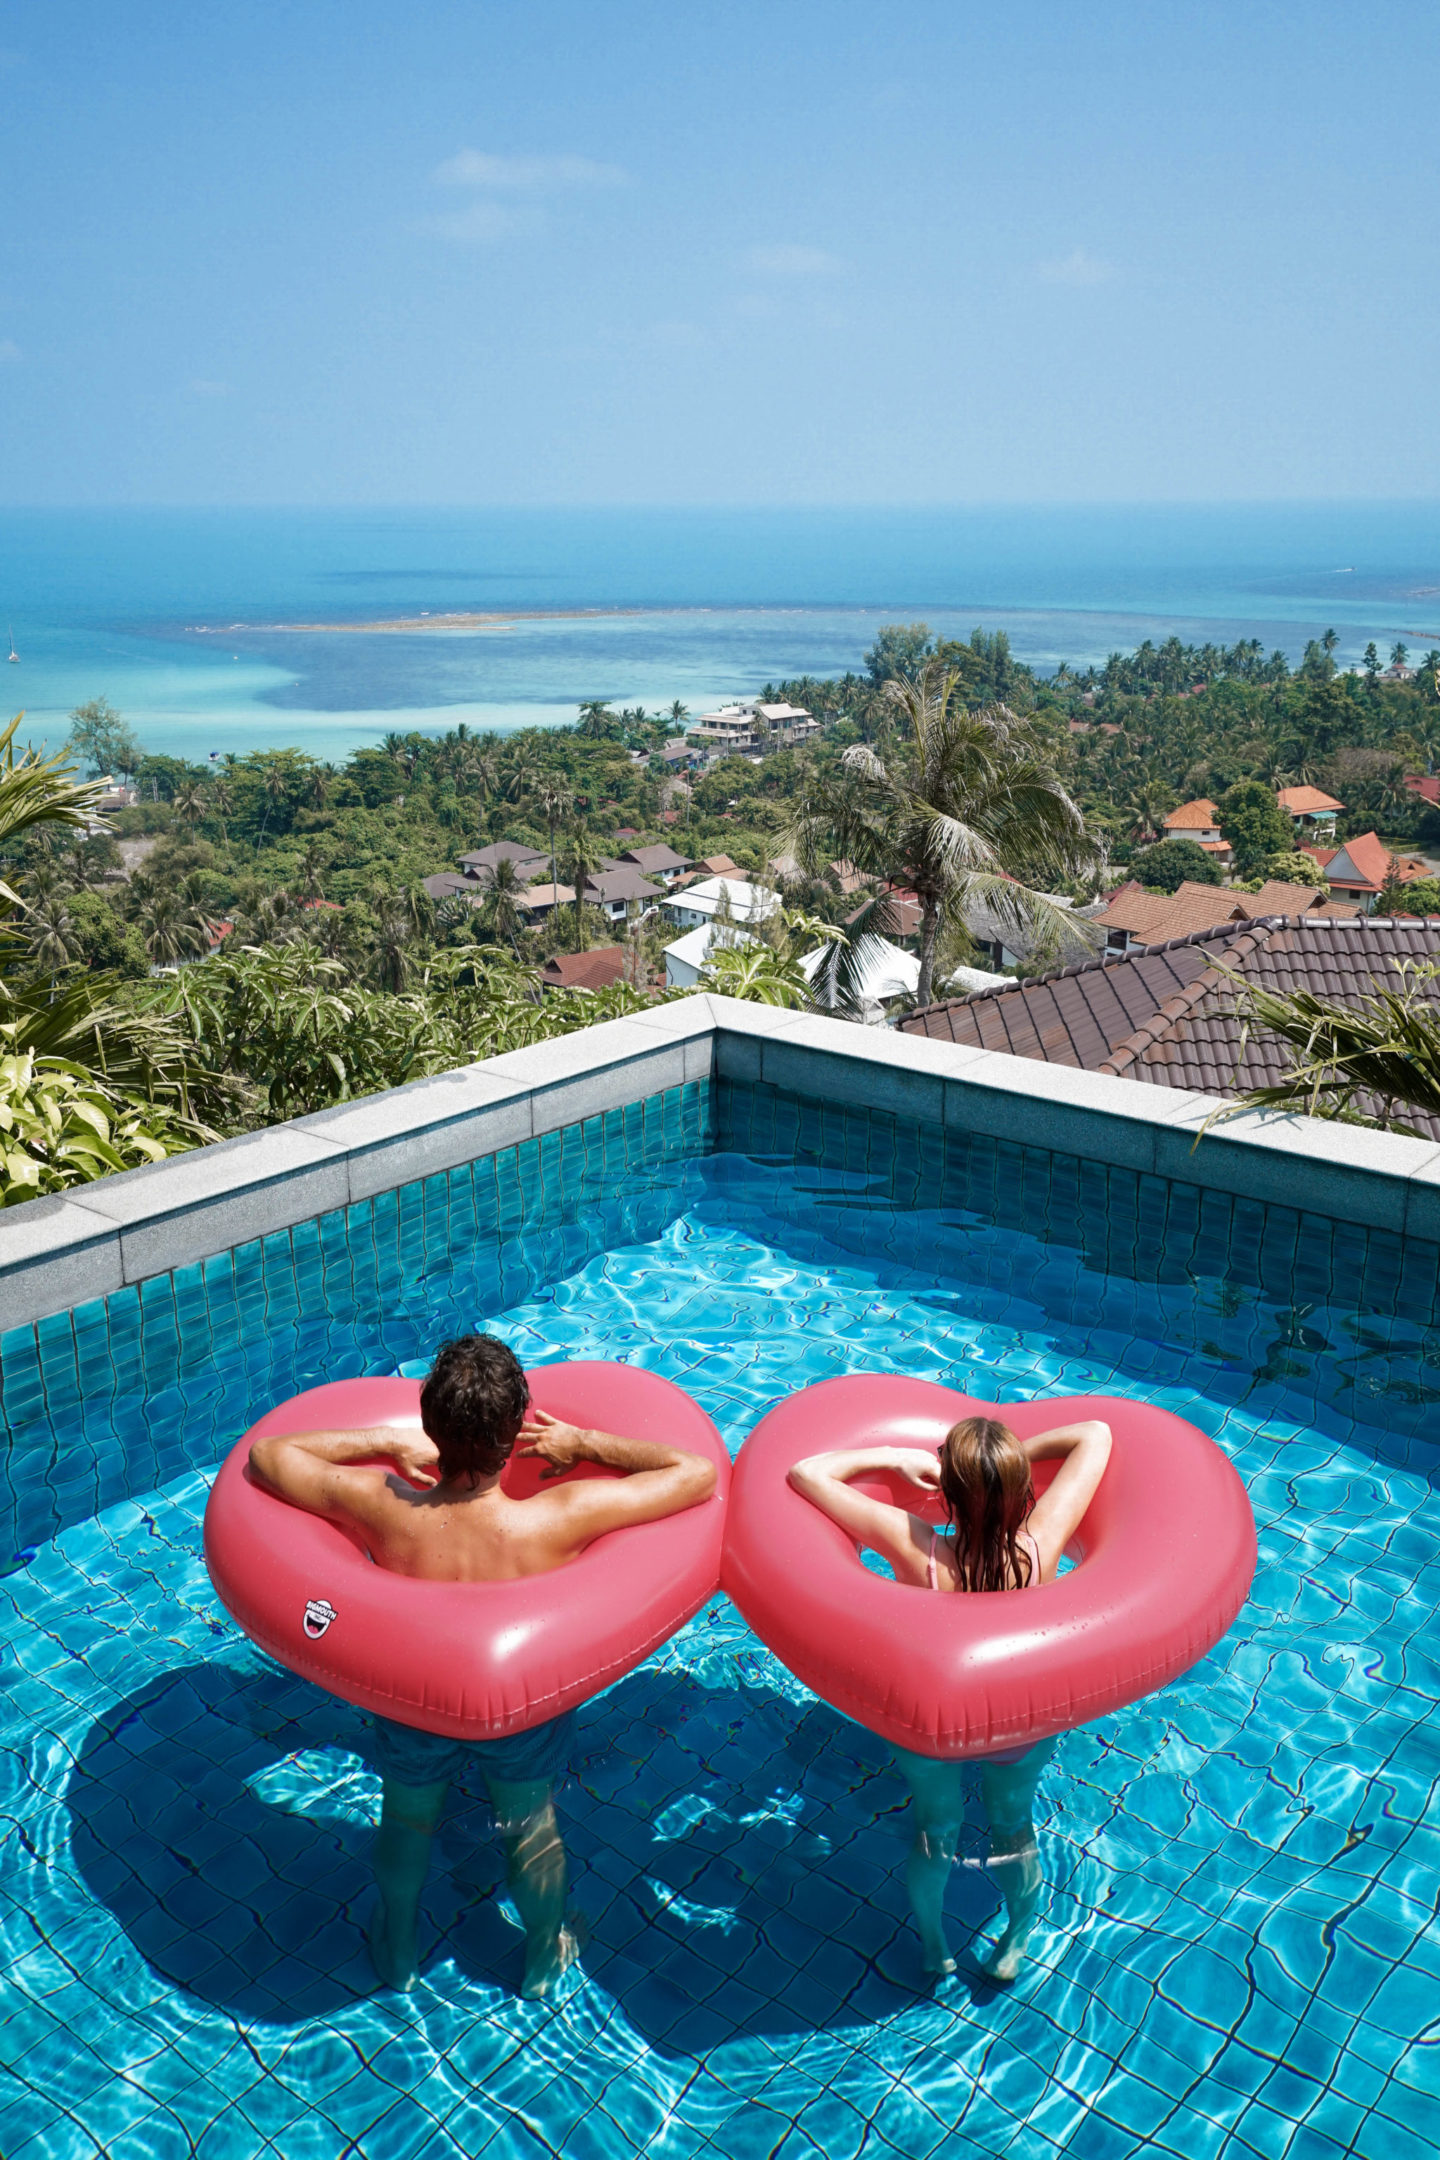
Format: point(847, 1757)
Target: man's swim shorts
point(412, 1757)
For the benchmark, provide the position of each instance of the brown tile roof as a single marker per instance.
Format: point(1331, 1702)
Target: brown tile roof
point(593, 970)
point(1166, 1015)
point(659, 857)
point(1160, 917)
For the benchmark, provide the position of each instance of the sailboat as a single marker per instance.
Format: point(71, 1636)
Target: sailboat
point(13, 654)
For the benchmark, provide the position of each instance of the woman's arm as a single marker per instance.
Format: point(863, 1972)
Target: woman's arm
point(1085, 1449)
point(902, 1538)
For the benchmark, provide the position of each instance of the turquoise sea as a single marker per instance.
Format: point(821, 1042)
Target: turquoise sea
point(186, 619)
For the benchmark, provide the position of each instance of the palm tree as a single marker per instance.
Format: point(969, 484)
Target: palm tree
point(957, 796)
point(555, 801)
point(172, 924)
point(51, 934)
point(189, 803)
point(222, 795)
point(501, 911)
point(580, 858)
point(520, 776)
point(679, 714)
point(395, 931)
point(274, 789)
point(312, 862)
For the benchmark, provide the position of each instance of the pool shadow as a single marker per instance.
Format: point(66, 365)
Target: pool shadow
point(738, 1856)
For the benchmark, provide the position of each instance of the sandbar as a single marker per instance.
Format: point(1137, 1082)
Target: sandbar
point(411, 625)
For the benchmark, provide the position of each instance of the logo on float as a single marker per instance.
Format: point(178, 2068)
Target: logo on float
point(318, 1615)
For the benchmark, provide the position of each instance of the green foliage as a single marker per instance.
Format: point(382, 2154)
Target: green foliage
point(1292, 867)
point(1366, 1061)
point(301, 1033)
point(758, 973)
point(1170, 863)
point(1254, 824)
point(61, 1125)
point(100, 740)
point(898, 653)
point(1420, 897)
point(106, 941)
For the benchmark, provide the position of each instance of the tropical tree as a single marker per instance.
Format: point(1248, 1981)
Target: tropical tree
point(100, 739)
point(1254, 824)
point(401, 918)
point(759, 973)
point(956, 799)
point(190, 803)
point(171, 922)
point(555, 801)
point(581, 857)
point(51, 934)
point(500, 912)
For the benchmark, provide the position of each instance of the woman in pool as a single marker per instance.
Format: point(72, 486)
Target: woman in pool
point(1002, 1538)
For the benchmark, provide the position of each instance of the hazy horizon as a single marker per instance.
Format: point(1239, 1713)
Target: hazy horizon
point(1111, 254)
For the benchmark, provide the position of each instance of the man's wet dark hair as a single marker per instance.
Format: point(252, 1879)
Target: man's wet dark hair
point(474, 1398)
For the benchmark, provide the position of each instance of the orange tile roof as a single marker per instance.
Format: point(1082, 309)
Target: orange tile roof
point(1306, 801)
point(1374, 864)
point(1192, 816)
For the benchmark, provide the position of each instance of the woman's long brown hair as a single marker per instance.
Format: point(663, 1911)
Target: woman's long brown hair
point(985, 1483)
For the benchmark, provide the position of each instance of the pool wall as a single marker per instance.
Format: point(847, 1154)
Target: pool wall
point(129, 1229)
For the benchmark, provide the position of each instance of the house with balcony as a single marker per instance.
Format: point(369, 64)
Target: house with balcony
point(1313, 811)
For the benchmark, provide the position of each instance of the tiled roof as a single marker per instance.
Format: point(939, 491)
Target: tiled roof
point(1372, 864)
point(444, 882)
point(1192, 816)
point(1306, 801)
point(499, 851)
point(593, 970)
point(1425, 785)
point(1160, 917)
point(659, 857)
point(625, 883)
point(1166, 1015)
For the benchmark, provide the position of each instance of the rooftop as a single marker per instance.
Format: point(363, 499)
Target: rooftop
point(1306, 801)
point(1166, 1015)
point(596, 969)
point(1193, 816)
point(499, 851)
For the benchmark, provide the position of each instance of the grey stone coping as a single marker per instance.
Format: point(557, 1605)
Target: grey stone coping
point(61, 1251)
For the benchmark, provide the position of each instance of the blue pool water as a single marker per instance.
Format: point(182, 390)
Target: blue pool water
point(1240, 1953)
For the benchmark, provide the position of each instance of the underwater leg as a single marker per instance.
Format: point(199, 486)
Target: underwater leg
point(1009, 1794)
point(938, 1791)
point(408, 1816)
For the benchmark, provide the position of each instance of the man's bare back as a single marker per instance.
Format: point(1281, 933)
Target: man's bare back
point(449, 1530)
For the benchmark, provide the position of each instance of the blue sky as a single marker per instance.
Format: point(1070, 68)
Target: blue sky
point(804, 251)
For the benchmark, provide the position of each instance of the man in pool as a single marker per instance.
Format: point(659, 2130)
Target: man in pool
point(458, 1525)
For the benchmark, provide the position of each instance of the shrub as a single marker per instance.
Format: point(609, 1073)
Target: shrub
point(1170, 862)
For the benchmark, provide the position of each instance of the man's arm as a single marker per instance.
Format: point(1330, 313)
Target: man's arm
point(658, 1479)
point(318, 1470)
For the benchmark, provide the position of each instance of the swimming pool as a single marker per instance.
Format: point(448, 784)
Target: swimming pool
point(1240, 1952)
